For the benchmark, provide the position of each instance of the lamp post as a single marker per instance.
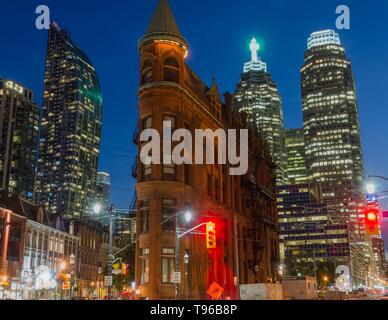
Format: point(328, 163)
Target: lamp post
point(188, 216)
point(72, 263)
point(186, 260)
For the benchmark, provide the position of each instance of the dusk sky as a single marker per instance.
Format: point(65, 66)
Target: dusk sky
point(219, 33)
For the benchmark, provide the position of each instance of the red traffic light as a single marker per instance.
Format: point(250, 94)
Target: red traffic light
point(211, 242)
point(371, 216)
point(372, 221)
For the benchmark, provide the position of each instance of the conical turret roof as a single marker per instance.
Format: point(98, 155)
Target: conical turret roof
point(163, 20)
point(163, 26)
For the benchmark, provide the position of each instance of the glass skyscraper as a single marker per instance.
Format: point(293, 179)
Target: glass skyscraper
point(257, 95)
point(70, 129)
point(307, 237)
point(19, 123)
point(332, 134)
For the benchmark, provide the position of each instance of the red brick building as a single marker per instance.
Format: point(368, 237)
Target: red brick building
point(243, 207)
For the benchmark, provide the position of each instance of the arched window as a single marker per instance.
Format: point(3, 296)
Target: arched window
point(171, 70)
point(146, 74)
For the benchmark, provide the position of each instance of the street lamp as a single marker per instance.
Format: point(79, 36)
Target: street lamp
point(188, 215)
point(186, 260)
point(97, 208)
point(371, 188)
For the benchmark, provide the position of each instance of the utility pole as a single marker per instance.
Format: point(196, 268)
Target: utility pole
point(177, 248)
point(110, 255)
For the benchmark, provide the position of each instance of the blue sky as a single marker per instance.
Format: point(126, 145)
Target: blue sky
point(218, 33)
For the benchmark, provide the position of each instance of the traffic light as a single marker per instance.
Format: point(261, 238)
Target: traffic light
point(372, 221)
point(124, 269)
point(211, 242)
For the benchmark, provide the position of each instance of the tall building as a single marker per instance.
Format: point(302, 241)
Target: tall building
point(379, 256)
point(242, 207)
point(103, 191)
point(296, 156)
point(70, 129)
point(308, 238)
point(258, 96)
point(19, 125)
point(332, 133)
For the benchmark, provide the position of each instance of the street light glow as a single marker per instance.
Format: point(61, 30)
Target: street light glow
point(188, 216)
point(97, 208)
point(371, 188)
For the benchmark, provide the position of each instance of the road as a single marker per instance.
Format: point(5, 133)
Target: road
point(370, 298)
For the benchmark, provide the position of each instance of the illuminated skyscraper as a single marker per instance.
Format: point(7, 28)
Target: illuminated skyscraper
point(332, 133)
point(70, 129)
point(103, 191)
point(296, 157)
point(19, 121)
point(257, 95)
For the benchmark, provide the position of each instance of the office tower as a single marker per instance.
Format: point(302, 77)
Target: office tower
point(243, 208)
point(19, 122)
point(332, 134)
point(258, 96)
point(309, 241)
point(296, 157)
point(70, 129)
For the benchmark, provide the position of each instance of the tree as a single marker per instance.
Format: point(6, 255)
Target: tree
point(302, 266)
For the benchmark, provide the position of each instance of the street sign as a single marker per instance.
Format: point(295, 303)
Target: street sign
point(108, 281)
point(215, 291)
point(176, 278)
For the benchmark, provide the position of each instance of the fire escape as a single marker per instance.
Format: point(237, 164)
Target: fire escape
point(259, 198)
